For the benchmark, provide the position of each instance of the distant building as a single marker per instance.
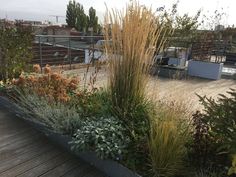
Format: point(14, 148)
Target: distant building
point(6, 23)
point(32, 23)
point(56, 30)
point(219, 28)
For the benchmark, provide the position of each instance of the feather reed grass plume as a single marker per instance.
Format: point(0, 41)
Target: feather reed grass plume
point(132, 35)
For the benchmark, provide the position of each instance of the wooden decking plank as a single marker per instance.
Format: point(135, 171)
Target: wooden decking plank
point(24, 157)
point(62, 169)
point(47, 166)
point(79, 171)
point(94, 173)
point(12, 133)
point(23, 137)
point(28, 165)
point(25, 142)
point(12, 150)
point(11, 125)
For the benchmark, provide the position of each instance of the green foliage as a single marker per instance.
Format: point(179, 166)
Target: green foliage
point(81, 19)
point(75, 16)
point(232, 169)
point(181, 30)
point(207, 173)
point(15, 50)
point(220, 116)
point(201, 149)
point(2, 86)
point(62, 117)
point(92, 104)
point(186, 30)
point(215, 132)
point(105, 136)
point(186, 23)
point(93, 19)
point(71, 14)
point(168, 137)
point(5, 87)
point(56, 116)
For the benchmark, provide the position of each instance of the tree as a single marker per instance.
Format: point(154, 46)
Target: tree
point(93, 19)
point(187, 23)
point(75, 16)
point(71, 14)
point(81, 18)
point(15, 49)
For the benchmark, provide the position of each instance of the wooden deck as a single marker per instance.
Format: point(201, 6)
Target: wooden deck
point(25, 152)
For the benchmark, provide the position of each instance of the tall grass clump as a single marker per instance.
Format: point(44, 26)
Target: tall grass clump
point(169, 132)
point(133, 34)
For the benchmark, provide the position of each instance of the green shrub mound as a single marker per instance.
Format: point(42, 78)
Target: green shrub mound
point(55, 116)
point(214, 138)
point(105, 136)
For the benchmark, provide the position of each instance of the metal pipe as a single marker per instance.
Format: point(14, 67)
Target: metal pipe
point(40, 54)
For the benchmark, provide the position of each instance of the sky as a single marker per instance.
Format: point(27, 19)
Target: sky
point(42, 10)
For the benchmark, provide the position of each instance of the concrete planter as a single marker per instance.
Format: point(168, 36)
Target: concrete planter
point(204, 69)
point(108, 167)
point(171, 72)
point(176, 62)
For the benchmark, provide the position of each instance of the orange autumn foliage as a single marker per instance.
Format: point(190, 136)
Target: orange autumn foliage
point(53, 86)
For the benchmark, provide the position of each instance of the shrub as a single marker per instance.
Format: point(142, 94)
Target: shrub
point(15, 50)
point(53, 86)
point(219, 118)
point(4, 86)
point(92, 103)
point(201, 148)
point(208, 173)
point(232, 169)
point(103, 135)
point(56, 116)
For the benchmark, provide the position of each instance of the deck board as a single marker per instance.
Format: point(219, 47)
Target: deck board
point(26, 152)
point(62, 169)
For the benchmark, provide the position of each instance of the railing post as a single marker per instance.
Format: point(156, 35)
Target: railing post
point(40, 54)
point(93, 59)
point(69, 51)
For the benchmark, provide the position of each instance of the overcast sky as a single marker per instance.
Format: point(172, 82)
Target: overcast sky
point(42, 9)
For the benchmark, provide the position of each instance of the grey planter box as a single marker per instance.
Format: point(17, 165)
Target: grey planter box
point(204, 69)
point(176, 62)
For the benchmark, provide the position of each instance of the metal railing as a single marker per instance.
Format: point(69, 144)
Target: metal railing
point(65, 50)
point(69, 50)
